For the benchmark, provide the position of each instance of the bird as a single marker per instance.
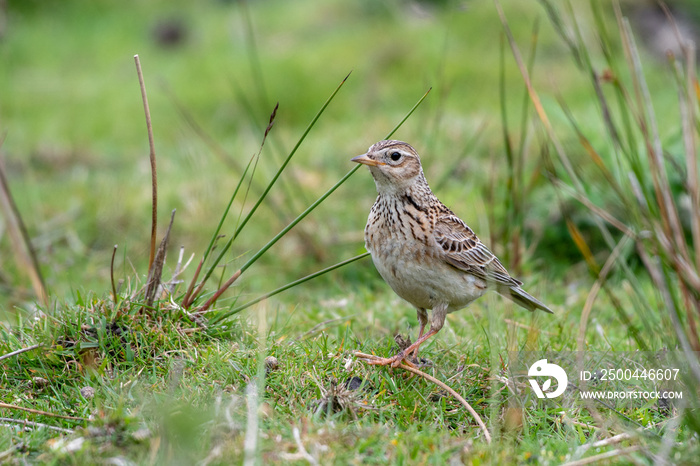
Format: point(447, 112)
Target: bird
point(423, 251)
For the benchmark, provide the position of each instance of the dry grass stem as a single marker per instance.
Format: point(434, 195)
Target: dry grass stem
point(302, 451)
point(220, 291)
point(156, 271)
point(27, 423)
point(19, 237)
point(43, 413)
point(19, 351)
point(611, 440)
point(152, 157)
point(189, 297)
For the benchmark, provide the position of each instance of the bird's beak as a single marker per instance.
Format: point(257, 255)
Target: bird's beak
point(364, 159)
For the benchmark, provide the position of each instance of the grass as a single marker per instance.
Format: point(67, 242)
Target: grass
point(166, 386)
point(167, 395)
point(94, 140)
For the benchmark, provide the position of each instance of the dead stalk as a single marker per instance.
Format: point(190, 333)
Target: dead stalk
point(27, 423)
point(152, 156)
point(19, 351)
point(19, 236)
point(43, 413)
point(221, 290)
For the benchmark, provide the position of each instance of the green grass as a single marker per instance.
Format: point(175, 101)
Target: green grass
point(169, 391)
point(76, 137)
point(166, 394)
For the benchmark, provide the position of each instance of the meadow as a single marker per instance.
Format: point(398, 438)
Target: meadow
point(550, 128)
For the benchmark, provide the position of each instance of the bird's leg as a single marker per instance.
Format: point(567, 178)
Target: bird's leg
point(436, 322)
point(423, 319)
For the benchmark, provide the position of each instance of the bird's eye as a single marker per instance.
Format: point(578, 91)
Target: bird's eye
point(395, 156)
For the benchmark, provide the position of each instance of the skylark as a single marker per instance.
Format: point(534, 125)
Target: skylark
point(427, 254)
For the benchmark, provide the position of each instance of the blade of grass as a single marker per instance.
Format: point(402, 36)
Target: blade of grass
point(309, 209)
point(220, 317)
point(504, 116)
point(674, 242)
point(318, 201)
point(669, 215)
point(515, 159)
point(257, 157)
point(191, 294)
point(558, 22)
point(592, 153)
point(220, 291)
point(111, 277)
point(252, 211)
point(449, 170)
point(660, 280)
point(289, 157)
point(410, 112)
point(544, 119)
point(254, 57)
point(689, 118)
point(215, 235)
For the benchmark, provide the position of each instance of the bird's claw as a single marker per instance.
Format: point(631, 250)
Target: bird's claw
point(394, 361)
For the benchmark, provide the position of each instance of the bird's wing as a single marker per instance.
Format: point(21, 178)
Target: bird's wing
point(463, 249)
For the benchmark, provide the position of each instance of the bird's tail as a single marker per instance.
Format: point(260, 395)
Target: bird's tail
point(524, 299)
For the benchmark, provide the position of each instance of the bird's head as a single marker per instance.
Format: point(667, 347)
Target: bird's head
point(395, 166)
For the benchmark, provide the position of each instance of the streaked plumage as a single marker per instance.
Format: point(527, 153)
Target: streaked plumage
point(427, 254)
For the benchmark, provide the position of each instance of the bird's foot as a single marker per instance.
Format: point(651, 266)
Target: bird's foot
point(394, 361)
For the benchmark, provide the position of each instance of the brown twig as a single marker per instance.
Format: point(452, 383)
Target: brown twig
point(156, 271)
point(223, 288)
point(187, 300)
point(43, 413)
point(24, 252)
point(442, 385)
point(19, 351)
point(152, 156)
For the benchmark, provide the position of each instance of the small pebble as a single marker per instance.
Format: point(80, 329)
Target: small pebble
point(353, 383)
point(271, 363)
point(39, 382)
point(87, 392)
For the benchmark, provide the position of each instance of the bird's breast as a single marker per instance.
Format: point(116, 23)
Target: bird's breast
point(399, 237)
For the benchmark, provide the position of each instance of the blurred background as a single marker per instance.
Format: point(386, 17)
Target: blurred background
point(75, 147)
